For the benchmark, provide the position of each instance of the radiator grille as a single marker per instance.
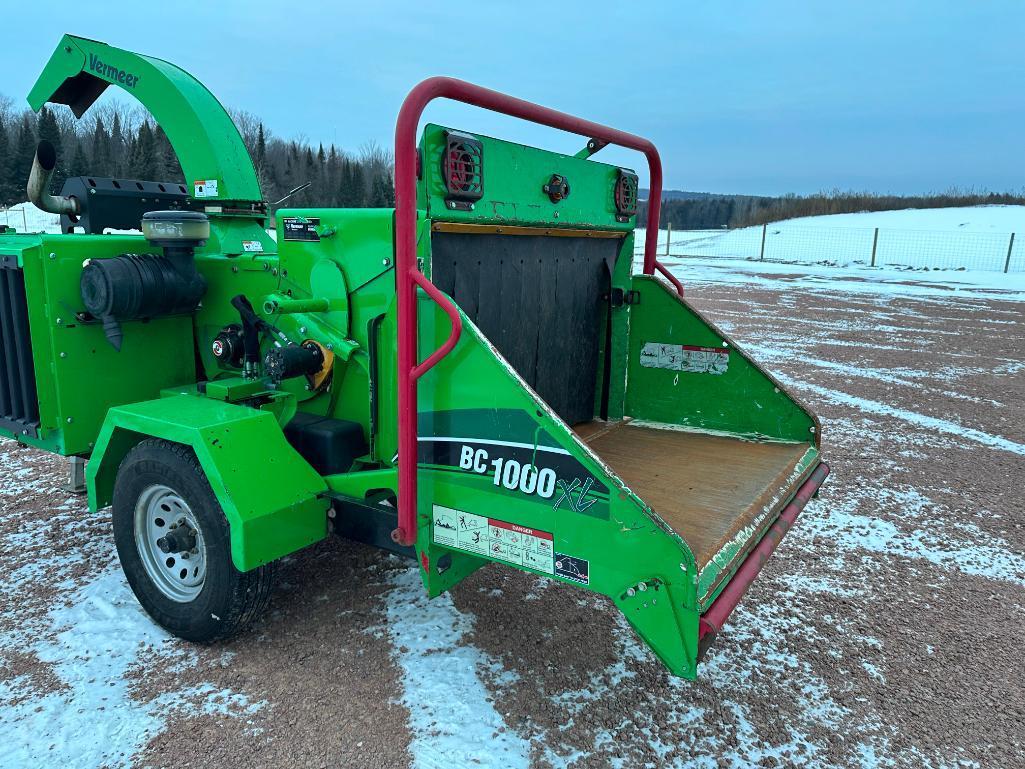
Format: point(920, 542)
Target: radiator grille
point(19, 405)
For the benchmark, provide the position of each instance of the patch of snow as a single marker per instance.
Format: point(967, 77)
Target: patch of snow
point(452, 716)
point(91, 720)
point(923, 421)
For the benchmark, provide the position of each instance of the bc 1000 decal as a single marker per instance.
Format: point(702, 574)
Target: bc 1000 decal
point(538, 470)
point(509, 473)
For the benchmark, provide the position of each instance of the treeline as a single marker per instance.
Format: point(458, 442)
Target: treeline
point(706, 213)
point(115, 140)
point(766, 210)
point(746, 211)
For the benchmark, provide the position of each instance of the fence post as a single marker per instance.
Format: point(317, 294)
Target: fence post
point(669, 235)
point(761, 254)
point(1010, 248)
point(875, 242)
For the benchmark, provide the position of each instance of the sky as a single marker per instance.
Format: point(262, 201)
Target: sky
point(744, 97)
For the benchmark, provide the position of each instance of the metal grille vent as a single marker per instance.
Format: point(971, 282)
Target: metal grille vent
point(462, 167)
point(626, 193)
point(19, 405)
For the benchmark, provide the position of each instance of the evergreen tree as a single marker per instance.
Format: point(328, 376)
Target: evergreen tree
point(101, 157)
point(350, 189)
point(47, 130)
point(379, 190)
point(165, 159)
point(5, 163)
point(79, 165)
point(24, 154)
point(118, 148)
point(261, 148)
point(142, 163)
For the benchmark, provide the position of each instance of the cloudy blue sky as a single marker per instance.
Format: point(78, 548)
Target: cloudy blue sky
point(748, 97)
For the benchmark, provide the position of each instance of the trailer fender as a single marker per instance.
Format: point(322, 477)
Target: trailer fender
point(272, 498)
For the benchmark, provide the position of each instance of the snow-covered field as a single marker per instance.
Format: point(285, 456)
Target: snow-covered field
point(972, 238)
point(883, 633)
point(25, 217)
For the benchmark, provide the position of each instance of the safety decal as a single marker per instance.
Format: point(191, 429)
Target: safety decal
point(493, 538)
point(204, 188)
point(300, 228)
point(570, 567)
point(252, 246)
point(685, 357)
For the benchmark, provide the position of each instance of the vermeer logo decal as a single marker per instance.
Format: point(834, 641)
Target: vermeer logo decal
point(112, 73)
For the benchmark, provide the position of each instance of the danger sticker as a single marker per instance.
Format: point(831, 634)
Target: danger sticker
point(493, 538)
point(685, 357)
point(205, 188)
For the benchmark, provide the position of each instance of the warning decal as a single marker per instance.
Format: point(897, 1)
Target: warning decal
point(572, 568)
point(204, 188)
point(505, 541)
point(685, 357)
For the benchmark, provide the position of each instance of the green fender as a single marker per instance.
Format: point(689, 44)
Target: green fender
point(271, 496)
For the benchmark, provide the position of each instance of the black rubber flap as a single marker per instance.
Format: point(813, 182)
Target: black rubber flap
point(539, 300)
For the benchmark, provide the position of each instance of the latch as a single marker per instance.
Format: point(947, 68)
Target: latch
point(557, 188)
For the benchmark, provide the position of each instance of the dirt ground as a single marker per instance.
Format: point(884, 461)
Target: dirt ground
point(887, 630)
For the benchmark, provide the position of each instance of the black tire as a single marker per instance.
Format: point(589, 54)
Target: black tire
point(229, 600)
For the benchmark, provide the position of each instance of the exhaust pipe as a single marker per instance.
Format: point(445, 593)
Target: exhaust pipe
point(38, 188)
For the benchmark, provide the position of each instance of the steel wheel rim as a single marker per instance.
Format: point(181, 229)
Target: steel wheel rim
point(178, 576)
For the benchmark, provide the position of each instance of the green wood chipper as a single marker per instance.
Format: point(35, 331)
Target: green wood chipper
point(477, 375)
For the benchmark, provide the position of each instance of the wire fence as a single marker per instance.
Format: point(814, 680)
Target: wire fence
point(875, 247)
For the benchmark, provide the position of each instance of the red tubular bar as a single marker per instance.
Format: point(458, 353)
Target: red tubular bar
point(408, 277)
point(715, 617)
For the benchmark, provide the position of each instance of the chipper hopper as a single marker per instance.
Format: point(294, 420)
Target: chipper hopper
point(477, 375)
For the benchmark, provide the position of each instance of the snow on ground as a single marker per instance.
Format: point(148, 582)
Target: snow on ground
point(999, 219)
point(91, 719)
point(972, 237)
point(452, 717)
point(25, 217)
point(902, 427)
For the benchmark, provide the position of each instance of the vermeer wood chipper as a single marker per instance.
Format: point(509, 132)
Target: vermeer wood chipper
point(475, 376)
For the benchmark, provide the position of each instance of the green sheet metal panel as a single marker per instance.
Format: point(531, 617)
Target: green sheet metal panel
point(78, 374)
point(702, 381)
point(514, 176)
point(270, 494)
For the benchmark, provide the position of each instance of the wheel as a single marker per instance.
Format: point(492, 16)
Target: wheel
point(173, 542)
